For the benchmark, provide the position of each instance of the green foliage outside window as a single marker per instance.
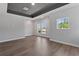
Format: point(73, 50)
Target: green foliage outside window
point(63, 23)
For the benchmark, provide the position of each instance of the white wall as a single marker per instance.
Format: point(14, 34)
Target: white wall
point(13, 26)
point(68, 36)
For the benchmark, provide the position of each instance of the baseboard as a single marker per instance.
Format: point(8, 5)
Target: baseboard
point(16, 38)
point(66, 43)
point(35, 35)
point(12, 39)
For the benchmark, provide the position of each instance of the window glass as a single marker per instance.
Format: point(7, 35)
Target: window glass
point(63, 23)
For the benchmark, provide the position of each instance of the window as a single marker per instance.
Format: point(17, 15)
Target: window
point(63, 23)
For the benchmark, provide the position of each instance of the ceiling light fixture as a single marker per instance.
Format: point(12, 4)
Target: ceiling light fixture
point(33, 3)
point(25, 8)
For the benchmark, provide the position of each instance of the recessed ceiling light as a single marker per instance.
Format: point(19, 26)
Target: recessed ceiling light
point(25, 8)
point(33, 3)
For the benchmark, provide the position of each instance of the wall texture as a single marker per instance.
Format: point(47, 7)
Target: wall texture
point(13, 26)
point(66, 36)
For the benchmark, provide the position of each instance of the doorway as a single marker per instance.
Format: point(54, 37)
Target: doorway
point(42, 27)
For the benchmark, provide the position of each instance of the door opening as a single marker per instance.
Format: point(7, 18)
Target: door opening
point(42, 27)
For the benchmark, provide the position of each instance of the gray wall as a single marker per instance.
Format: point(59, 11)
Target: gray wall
point(13, 26)
point(66, 36)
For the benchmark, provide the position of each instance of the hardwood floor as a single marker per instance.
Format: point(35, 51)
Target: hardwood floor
point(36, 46)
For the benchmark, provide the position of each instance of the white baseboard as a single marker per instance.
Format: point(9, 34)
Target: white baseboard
point(28, 35)
point(12, 39)
point(15, 38)
point(64, 43)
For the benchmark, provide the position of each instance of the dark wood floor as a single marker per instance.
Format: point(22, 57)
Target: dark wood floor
point(36, 46)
